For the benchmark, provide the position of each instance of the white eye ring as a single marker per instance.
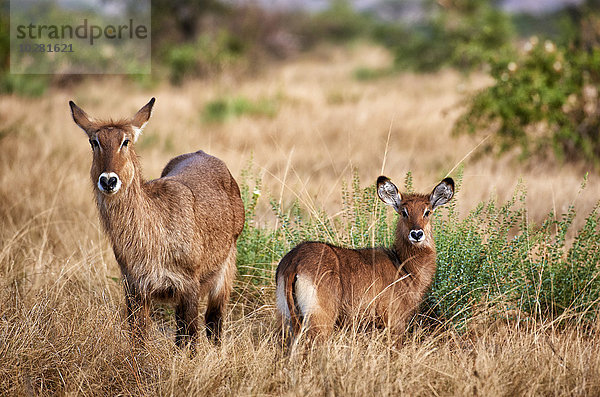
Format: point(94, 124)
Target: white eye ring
point(404, 212)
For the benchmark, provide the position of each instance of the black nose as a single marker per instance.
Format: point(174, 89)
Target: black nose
point(108, 184)
point(416, 234)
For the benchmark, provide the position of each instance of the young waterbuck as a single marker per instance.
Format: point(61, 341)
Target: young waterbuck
point(174, 237)
point(319, 285)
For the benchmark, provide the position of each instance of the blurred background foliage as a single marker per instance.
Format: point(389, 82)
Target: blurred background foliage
point(545, 65)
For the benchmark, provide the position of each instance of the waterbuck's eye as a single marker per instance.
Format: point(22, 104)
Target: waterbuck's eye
point(125, 142)
point(404, 213)
point(94, 143)
point(426, 213)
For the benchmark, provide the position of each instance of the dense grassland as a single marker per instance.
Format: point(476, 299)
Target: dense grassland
point(513, 310)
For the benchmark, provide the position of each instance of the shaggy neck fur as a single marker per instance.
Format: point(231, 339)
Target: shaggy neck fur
point(418, 262)
point(128, 216)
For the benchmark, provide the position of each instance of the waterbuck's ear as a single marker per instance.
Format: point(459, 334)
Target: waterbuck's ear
point(388, 193)
point(139, 121)
point(81, 118)
point(442, 193)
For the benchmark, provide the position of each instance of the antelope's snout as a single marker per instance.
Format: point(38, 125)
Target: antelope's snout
point(109, 183)
point(416, 236)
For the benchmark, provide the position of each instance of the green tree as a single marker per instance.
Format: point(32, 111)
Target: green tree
point(459, 33)
point(545, 99)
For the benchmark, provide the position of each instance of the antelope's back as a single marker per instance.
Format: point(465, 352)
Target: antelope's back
point(217, 200)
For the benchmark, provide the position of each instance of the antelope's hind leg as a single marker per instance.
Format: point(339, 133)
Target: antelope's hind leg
point(186, 316)
point(218, 296)
point(318, 305)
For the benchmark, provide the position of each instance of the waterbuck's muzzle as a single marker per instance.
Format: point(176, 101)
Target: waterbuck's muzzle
point(416, 236)
point(109, 183)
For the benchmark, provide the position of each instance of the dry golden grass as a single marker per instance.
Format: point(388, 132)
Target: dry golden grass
point(61, 324)
point(70, 340)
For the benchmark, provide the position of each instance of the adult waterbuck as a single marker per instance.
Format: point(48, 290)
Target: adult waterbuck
point(174, 237)
point(319, 285)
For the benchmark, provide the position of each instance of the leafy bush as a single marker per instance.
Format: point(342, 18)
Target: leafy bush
point(544, 100)
point(224, 109)
point(422, 49)
point(24, 84)
point(208, 54)
point(475, 30)
point(495, 257)
point(258, 247)
point(338, 23)
point(462, 34)
point(492, 258)
point(28, 85)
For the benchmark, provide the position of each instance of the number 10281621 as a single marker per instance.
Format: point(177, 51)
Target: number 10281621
point(46, 48)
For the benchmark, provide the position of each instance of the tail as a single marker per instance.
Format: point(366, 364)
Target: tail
point(286, 300)
point(290, 296)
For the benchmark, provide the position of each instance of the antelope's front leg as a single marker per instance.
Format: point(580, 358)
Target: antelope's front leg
point(138, 314)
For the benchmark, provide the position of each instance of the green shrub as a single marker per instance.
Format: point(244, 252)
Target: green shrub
point(368, 74)
point(208, 54)
point(543, 101)
point(27, 85)
point(223, 109)
point(462, 34)
point(495, 257)
point(339, 23)
point(258, 247)
point(475, 30)
point(24, 84)
point(423, 49)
